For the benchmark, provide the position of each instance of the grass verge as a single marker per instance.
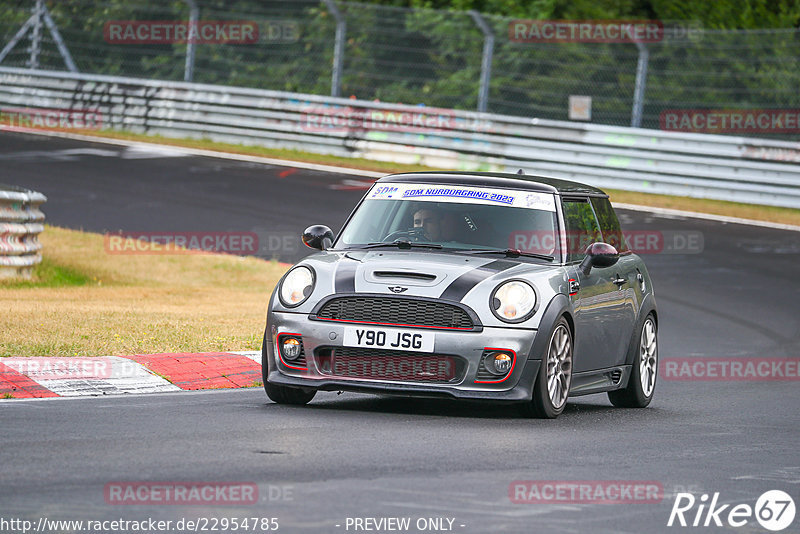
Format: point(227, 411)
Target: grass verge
point(716, 207)
point(83, 301)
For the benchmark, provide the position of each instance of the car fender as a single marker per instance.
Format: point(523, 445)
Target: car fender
point(648, 306)
point(559, 305)
point(266, 356)
point(267, 360)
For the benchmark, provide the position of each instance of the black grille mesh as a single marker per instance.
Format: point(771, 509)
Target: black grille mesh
point(396, 311)
point(483, 373)
point(411, 372)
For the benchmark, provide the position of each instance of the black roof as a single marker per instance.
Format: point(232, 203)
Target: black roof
point(496, 179)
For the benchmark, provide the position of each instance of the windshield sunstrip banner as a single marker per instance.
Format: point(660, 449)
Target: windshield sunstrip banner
point(465, 195)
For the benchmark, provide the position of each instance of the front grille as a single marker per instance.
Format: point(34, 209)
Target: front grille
point(396, 311)
point(396, 366)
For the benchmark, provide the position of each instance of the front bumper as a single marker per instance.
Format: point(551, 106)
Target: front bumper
point(468, 346)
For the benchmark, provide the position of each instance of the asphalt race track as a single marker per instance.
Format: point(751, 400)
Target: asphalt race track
point(140, 190)
point(361, 456)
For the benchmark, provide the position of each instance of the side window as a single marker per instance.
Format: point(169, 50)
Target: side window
point(581, 226)
point(609, 224)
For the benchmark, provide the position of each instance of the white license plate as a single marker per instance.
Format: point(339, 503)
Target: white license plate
point(388, 338)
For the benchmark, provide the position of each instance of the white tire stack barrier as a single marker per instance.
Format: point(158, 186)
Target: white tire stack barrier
point(21, 222)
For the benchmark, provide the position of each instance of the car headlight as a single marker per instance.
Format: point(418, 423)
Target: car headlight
point(297, 286)
point(513, 301)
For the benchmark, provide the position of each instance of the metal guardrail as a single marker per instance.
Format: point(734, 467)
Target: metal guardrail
point(740, 169)
point(21, 222)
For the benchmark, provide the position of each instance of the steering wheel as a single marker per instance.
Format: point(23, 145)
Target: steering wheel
point(412, 234)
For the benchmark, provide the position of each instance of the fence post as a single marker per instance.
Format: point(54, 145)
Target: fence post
point(36, 35)
point(486, 61)
point(34, 23)
point(641, 83)
point(14, 40)
point(338, 49)
point(62, 46)
point(194, 16)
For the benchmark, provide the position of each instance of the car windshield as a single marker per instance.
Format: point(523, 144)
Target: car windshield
point(454, 217)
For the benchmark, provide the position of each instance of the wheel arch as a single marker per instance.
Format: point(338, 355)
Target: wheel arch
point(570, 322)
point(648, 307)
point(559, 306)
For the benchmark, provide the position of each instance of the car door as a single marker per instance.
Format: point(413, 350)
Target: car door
point(597, 303)
point(625, 273)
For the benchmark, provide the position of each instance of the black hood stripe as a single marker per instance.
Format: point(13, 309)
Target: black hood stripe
point(345, 281)
point(464, 283)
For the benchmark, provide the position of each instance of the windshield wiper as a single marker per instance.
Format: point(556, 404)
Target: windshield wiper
point(510, 253)
point(402, 244)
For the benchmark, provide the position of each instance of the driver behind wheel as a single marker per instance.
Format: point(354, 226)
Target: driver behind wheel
point(430, 222)
point(437, 226)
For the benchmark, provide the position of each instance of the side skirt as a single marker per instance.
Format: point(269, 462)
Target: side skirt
point(600, 381)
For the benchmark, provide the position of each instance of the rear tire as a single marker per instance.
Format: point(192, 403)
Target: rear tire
point(552, 384)
point(642, 383)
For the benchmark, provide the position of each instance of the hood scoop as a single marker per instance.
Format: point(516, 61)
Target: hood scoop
point(422, 277)
point(403, 276)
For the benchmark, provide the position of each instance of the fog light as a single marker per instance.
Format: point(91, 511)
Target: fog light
point(501, 362)
point(291, 348)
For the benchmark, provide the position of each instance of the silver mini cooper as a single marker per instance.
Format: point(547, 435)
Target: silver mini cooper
point(481, 286)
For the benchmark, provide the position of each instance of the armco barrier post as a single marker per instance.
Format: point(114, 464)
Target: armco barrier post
point(21, 222)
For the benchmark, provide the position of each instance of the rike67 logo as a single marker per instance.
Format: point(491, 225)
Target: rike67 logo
point(774, 511)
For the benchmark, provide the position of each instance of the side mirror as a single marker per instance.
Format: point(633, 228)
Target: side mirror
point(318, 236)
point(599, 255)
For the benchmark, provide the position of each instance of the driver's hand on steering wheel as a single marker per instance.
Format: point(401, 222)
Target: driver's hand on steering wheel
point(418, 233)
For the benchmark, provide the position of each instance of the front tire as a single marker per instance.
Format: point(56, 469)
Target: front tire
point(281, 394)
point(551, 389)
point(642, 383)
point(288, 395)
